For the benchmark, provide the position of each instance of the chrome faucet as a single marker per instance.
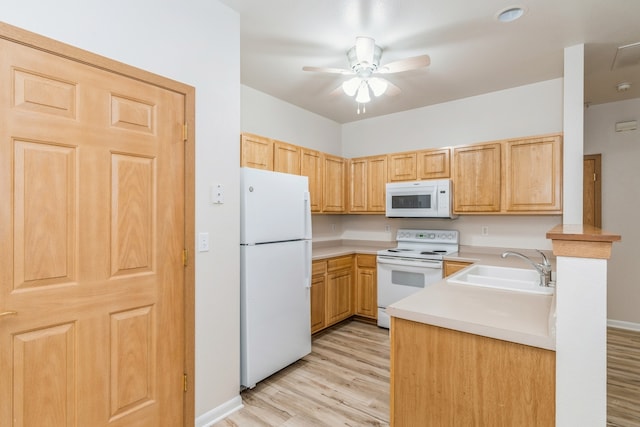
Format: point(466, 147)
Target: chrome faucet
point(543, 268)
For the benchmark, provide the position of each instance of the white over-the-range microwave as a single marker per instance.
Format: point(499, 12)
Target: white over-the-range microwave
point(420, 199)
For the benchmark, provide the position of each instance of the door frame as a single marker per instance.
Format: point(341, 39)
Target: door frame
point(597, 196)
point(36, 41)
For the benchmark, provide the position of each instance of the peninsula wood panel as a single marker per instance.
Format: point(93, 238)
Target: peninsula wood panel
point(533, 175)
point(442, 377)
point(92, 167)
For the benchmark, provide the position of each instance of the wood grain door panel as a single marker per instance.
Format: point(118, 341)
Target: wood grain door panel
point(92, 225)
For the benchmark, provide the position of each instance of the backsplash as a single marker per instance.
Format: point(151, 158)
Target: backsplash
point(527, 232)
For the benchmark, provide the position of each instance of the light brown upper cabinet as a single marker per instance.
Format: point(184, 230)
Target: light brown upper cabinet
point(402, 167)
point(256, 151)
point(476, 178)
point(367, 182)
point(433, 164)
point(286, 158)
point(533, 175)
point(312, 166)
point(334, 198)
point(516, 176)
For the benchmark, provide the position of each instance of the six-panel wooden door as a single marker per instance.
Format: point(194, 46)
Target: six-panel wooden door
point(91, 235)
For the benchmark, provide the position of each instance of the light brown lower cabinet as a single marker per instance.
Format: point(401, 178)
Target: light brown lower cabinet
point(366, 286)
point(318, 294)
point(442, 377)
point(342, 287)
point(339, 289)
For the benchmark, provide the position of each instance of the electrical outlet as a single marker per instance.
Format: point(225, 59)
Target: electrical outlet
point(485, 230)
point(333, 227)
point(387, 228)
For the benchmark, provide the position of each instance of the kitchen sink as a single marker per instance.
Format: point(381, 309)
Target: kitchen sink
point(507, 278)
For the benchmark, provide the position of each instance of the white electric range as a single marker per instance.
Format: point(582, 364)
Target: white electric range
point(414, 263)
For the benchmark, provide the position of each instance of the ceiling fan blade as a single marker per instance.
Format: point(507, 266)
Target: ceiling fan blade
point(405, 64)
point(392, 90)
point(328, 70)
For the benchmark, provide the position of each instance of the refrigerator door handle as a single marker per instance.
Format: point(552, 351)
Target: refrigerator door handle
point(307, 215)
point(307, 264)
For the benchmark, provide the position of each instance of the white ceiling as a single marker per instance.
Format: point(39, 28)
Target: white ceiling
point(471, 52)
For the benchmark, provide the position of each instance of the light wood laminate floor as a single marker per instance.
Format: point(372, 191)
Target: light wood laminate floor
point(345, 382)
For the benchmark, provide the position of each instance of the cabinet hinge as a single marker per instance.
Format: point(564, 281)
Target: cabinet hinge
point(185, 132)
point(595, 177)
point(184, 383)
point(185, 257)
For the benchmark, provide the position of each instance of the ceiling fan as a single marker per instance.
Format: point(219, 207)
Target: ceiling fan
point(364, 61)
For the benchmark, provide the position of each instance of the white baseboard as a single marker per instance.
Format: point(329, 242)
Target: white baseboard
point(623, 325)
point(217, 414)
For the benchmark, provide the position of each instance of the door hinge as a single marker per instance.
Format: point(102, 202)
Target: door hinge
point(185, 132)
point(595, 177)
point(185, 383)
point(185, 257)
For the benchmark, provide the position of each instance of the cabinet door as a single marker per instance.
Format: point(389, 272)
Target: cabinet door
point(286, 158)
point(318, 306)
point(256, 152)
point(434, 164)
point(339, 306)
point(358, 185)
point(376, 183)
point(366, 287)
point(533, 175)
point(335, 178)
point(477, 178)
point(402, 167)
point(311, 166)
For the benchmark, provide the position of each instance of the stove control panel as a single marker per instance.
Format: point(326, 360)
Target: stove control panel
point(427, 236)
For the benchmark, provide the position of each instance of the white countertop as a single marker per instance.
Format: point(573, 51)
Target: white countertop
point(505, 315)
point(511, 316)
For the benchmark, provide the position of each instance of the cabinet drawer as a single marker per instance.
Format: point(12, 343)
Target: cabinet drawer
point(367, 261)
point(318, 267)
point(339, 263)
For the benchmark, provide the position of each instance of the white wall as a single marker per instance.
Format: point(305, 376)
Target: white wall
point(525, 110)
point(265, 115)
point(196, 42)
point(620, 199)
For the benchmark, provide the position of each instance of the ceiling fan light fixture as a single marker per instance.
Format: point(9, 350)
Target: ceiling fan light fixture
point(350, 87)
point(378, 86)
point(363, 94)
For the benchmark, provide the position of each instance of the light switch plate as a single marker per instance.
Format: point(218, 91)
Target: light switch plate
point(203, 242)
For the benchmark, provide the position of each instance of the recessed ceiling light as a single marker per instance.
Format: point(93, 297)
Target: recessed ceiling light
point(510, 14)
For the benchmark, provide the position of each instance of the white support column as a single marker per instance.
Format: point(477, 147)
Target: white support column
point(581, 324)
point(573, 141)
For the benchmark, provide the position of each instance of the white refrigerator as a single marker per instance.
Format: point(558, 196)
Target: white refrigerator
point(275, 272)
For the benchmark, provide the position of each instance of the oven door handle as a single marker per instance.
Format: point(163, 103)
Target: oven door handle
point(409, 263)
